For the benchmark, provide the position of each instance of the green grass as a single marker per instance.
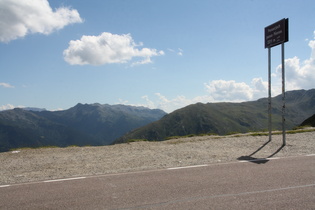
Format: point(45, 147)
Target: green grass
point(24, 148)
point(46, 147)
point(261, 133)
point(136, 140)
point(301, 131)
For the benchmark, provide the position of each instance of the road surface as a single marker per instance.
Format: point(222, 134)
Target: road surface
point(285, 183)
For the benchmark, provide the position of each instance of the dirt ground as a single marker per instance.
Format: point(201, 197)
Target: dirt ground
point(29, 165)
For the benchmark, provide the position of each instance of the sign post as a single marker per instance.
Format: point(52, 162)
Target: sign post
point(283, 96)
point(269, 93)
point(275, 34)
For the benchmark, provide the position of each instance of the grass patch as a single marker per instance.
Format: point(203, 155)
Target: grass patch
point(42, 147)
point(174, 137)
point(232, 133)
point(136, 140)
point(301, 131)
point(259, 134)
point(190, 135)
point(294, 131)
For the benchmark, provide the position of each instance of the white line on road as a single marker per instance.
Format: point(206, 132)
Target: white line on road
point(5, 186)
point(274, 158)
point(186, 167)
point(194, 166)
point(61, 180)
point(254, 160)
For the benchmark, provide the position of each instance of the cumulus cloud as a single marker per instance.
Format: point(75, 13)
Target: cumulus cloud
point(299, 75)
point(159, 101)
point(232, 91)
point(6, 85)
point(19, 18)
point(107, 48)
point(9, 106)
point(222, 90)
point(215, 91)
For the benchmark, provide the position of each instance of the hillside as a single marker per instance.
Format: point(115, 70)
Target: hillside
point(309, 121)
point(83, 124)
point(225, 118)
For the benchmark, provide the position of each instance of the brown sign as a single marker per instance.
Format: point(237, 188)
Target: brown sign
point(277, 33)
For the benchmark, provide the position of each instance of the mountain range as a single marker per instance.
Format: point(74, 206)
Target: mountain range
point(226, 118)
point(83, 124)
point(97, 124)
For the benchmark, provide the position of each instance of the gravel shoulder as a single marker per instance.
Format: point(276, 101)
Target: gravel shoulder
point(29, 165)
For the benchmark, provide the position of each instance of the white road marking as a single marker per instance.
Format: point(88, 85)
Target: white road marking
point(61, 180)
point(275, 158)
point(5, 186)
point(254, 160)
point(68, 179)
point(186, 167)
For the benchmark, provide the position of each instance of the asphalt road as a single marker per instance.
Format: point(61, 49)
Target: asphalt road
point(286, 183)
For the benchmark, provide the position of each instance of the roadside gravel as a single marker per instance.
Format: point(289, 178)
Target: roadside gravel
point(29, 165)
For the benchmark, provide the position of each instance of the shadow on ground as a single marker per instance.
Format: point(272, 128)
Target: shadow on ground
point(251, 159)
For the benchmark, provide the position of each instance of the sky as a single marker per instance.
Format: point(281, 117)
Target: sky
point(158, 54)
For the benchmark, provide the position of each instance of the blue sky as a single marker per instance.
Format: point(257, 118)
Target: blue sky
point(159, 54)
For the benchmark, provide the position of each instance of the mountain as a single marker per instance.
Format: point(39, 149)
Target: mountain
point(21, 128)
point(225, 118)
point(83, 124)
point(309, 121)
point(104, 123)
point(34, 109)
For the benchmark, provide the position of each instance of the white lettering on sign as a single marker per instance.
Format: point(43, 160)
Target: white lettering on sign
point(276, 33)
point(274, 28)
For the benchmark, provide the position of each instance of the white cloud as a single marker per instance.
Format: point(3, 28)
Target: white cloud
point(180, 52)
point(222, 90)
point(232, 91)
point(9, 106)
point(159, 101)
point(19, 18)
point(6, 85)
point(107, 48)
point(299, 75)
point(215, 91)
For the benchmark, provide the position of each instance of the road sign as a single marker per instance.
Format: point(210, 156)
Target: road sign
point(277, 33)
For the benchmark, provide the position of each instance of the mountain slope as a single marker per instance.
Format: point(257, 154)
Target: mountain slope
point(309, 121)
point(224, 118)
point(83, 124)
point(104, 122)
point(21, 128)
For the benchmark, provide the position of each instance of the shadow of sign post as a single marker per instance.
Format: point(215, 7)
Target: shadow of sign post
point(249, 158)
point(253, 160)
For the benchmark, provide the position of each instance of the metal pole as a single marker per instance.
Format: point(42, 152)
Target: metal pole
point(283, 97)
point(269, 93)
